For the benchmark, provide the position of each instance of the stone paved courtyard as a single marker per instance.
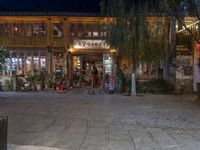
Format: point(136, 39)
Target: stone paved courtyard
point(78, 121)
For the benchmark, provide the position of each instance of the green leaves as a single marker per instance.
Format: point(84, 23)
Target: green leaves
point(131, 34)
point(3, 55)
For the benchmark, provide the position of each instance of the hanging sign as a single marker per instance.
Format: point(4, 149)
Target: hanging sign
point(91, 44)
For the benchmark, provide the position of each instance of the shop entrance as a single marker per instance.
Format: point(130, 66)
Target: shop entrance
point(88, 70)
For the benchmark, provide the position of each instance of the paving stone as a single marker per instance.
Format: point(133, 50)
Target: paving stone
point(119, 145)
point(99, 140)
point(142, 140)
point(93, 147)
point(163, 139)
point(71, 121)
point(98, 131)
point(184, 139)
point(81, 129)
point(39, 126)
point(70, 141)
point(49, 137)
point(24, 138)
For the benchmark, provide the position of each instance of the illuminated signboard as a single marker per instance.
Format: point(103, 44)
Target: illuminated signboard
point(91, 44)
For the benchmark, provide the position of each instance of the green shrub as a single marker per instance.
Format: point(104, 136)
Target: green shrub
point(8, 85)
point(155, 86)
point(128, 85)
point(198, 90)
point(139, 87)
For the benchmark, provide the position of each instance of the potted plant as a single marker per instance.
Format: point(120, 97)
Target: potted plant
point(38, 82)
point(31, 79)
point(49, 81)
point(46, 84)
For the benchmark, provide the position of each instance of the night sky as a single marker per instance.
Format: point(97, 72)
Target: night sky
point(50, 5)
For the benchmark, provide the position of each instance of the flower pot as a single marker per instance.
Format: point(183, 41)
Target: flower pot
point(38, 87)
point(46, 86)
point(33, 87)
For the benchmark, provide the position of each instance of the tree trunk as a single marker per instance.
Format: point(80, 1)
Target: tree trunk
point(133, 85)
point(133, 79)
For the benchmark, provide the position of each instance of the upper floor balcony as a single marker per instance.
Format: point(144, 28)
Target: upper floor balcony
point(34, 34)
point(188, 33)
point(87, 31)
point(48, 32)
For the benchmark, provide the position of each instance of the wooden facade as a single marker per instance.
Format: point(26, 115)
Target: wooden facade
point(38, 32)
point(54, 33)
point(60, 34)
point(55, 39)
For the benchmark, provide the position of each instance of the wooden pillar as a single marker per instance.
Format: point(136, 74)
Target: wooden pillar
point(49, 60)
point(49, 32)
point(39, 59)
point(66, 30)
point(81, 67)
point(65, 38)
point(49, 45)
point(25, 64)
point(46, 61)
point(172, 48)
point(17, 62)
point(10, 63)
point(32, 62)
point(69, 65)
point(64, 63)
point(199, 29)
point(67, 70)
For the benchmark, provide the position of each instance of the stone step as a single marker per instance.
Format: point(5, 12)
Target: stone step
point(20, 147)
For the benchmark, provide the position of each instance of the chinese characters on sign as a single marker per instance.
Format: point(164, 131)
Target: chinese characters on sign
point(91, 44)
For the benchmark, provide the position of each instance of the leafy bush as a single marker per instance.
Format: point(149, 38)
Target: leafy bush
point(128, 85)
point(155, 86)
point(8, 85)
point(3, 54)
point(38, 79)
point(1, 86)
point(198, 90)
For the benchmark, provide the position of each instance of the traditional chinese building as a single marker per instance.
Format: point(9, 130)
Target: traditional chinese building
point(60, 42)
point(70, 44)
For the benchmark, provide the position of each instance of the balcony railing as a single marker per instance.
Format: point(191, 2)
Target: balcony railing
point(58, 41)
point(23, 40)
point(182, 39)
point(184, 36)
point(4, 40)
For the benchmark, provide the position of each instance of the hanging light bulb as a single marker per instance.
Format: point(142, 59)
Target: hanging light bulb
point(16, 29)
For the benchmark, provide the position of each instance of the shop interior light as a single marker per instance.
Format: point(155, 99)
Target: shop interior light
point(16, 29)
point(113, 50)
point(71, 50)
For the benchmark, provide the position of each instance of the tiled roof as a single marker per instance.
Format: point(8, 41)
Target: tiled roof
point(46, 13)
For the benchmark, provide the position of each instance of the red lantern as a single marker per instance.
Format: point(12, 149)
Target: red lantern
point(197, 47)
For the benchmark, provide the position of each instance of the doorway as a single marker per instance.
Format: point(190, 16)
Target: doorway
point(88, 70)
